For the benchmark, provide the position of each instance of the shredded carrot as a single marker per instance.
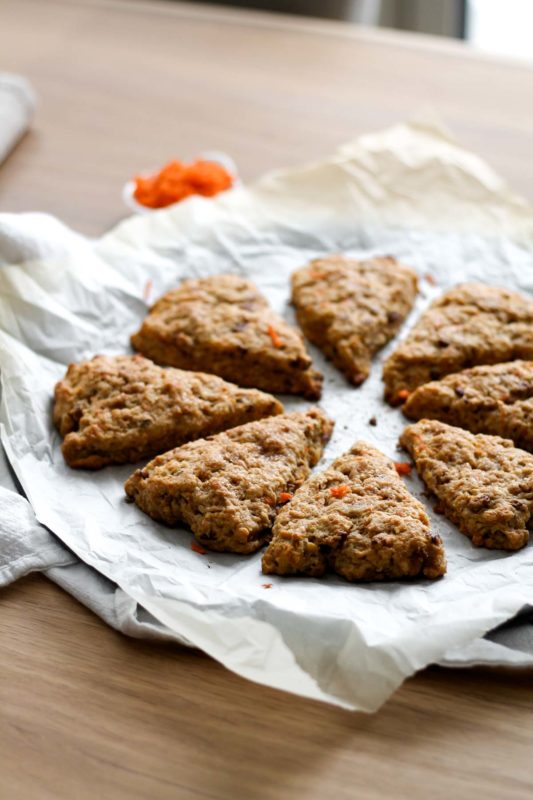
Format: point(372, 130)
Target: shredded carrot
point(272, 332)
point(403, 468)
point(401, 396)
point(198, 548)
point(176, 181)
point(339, 491)
point(285, 497)
point(266, 585)
point(147, 290)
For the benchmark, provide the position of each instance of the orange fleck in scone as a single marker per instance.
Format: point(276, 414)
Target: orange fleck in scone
point(483, 483)
point(228, 487)
point(350, 309)
point(223, 324)
point(358, 519)
point(470, 325)
point(122, 409)
point(496, 399)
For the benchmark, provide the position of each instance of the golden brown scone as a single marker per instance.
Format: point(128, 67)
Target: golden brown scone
point(470, 325)
point(496, 399)
point(357, 519)
point(483, 483)
point(222, 324)
point(350, 309)
point(121, 409)
point(228, 487)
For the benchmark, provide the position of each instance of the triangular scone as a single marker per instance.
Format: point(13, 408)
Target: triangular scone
point(483, 483)
point(222, 324)
point(228, 487)
point(350, 309)
point(470, 325)
point(357, 519)
point(496, 399)
point(122, 409)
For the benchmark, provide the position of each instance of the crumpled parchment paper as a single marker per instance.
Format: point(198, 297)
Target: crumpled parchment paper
point(409, 191)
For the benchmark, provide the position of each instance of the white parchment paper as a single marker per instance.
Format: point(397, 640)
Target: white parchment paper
point(409, 191)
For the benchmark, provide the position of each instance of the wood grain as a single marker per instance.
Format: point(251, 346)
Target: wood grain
point(123, 86)
point(88, 713)
point(85, 712)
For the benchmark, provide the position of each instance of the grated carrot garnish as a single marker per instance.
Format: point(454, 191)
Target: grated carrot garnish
point(176, 181)
point(285, 497)
point(198, 548)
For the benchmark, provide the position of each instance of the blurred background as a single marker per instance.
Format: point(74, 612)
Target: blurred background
point(497, 26)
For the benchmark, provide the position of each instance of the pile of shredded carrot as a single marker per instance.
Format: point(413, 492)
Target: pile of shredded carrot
point(177, 181)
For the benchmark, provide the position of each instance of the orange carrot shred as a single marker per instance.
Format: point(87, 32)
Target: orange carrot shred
point(272, 332)
point(198, 548)
point(339, 491)
point(402, 396)
point(147, 290)
point(285, 497)
point(403, 468)
point(176, 181)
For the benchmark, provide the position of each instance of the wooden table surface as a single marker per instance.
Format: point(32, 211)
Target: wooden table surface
point(84, 711)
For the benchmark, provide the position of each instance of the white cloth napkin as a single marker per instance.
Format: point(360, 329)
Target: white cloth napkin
point(17, 106)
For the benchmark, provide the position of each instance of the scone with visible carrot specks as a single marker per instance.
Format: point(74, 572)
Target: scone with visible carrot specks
point(470, 325)
point(122, 409)
point(223, 324)
point(358, 519)
point(495, 399)
point(228, 487)
point(350, 309)
point(484, 484)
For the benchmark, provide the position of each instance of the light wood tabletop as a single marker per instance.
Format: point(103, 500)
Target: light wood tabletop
point(123, 86)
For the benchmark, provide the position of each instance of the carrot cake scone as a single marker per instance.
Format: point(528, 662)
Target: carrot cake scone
point(350, 309)
point(496, 399)
point(470, 325)
point(228, 487)
point(121, 409)
point(224, 325)
point(483, 483)
point(358, 519)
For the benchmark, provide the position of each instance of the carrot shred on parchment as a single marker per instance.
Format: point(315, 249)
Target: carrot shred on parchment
point(198, 548)
point(403, 468)
point(176, 181)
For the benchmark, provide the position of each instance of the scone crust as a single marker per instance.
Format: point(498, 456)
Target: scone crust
point(483, 483)
point(358, 519)
point(495, 399)
point(122, 409)
point(223, 324)
point(227, 488)
point(350, 309)
point(471, 325)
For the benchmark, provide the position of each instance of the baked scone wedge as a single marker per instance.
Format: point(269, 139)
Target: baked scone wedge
point(484, 484)
point(224, 325)
point(470, 325)
point(495, 399)
point(350, 309)
point(357, 519)
point(228, 487)
point(122, 409)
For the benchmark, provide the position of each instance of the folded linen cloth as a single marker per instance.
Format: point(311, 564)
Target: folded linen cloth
point(17, 106)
